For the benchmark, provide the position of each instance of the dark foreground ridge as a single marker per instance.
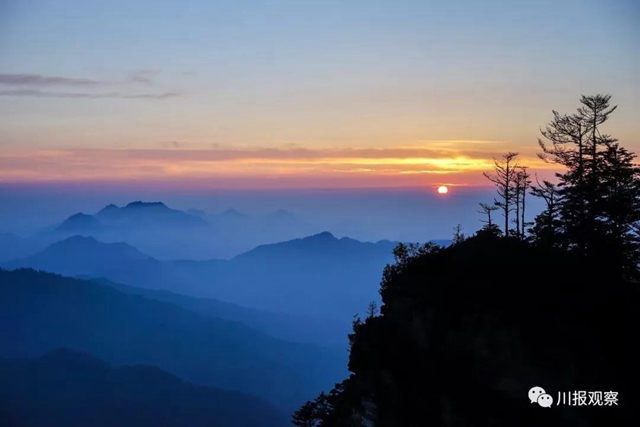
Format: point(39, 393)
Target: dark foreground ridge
point(70, 388)
point(466, 331)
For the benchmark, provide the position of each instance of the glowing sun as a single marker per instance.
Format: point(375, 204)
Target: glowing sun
point(443, 190)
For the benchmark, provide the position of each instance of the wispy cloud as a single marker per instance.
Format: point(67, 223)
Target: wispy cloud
point(39, 86)
point(39, 80)
point(48, 94)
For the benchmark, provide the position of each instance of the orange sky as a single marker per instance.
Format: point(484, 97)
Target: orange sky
point(302, 94)
point(452, 163)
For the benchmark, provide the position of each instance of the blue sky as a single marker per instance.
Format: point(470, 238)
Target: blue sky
point(247, 75)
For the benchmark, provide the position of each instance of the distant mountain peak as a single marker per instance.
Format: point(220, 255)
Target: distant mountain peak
point(79, 221)
point(78, 238)
point(137, 214)
point(139, 204)
point(325, 235)
point(107, 211)
point(319, 246)
point(83, 255)
point(79, 215)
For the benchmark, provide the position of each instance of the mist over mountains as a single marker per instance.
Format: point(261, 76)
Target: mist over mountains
point(167, 233)
point(319, 276)
point(302, 329)
point(134, 217)
point(138, 286)
point(42, 312)
point(273, 286)
point(363, 214)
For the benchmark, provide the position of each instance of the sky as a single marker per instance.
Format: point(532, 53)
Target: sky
point(300, 94)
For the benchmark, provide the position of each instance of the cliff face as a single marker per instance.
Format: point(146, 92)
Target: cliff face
point(466, 332)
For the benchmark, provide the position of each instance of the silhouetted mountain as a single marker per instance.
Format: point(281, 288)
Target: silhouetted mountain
point(323, 245)
point(108, 212)
point(70, 388)
point(80, 255)
point(302, 329)
point(135, 216)
point(80, 223)
point(480, 323)
point(152, 226)
point(141, 214)
point(42, 311)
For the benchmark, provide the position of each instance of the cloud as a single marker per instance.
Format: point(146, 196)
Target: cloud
point(48, 94)
point(461, 155)
point(44, 81)
point(221, 153)
point(37, 86)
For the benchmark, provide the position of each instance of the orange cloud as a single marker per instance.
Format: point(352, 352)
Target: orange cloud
point(456, 162)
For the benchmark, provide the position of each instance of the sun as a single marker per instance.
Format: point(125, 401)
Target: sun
point(443, 190)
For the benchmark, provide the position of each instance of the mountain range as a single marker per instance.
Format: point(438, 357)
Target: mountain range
point(303, 290)
point(167, 233)
point(319, 276)
point(260, 332)
point(136, 215)
point(43, 311)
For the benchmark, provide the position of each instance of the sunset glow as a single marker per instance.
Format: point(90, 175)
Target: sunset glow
point(270, 95)
point(348, 167)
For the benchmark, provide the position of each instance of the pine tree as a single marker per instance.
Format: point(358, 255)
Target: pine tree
point(522, 182)
point(458, 235)
point(576, 143)
point(598, 194)
point(503, 178)
point(547, 228)
point(619, 207)
point(489, 227)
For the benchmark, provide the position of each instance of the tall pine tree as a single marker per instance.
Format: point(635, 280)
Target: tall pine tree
point(599, 192)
